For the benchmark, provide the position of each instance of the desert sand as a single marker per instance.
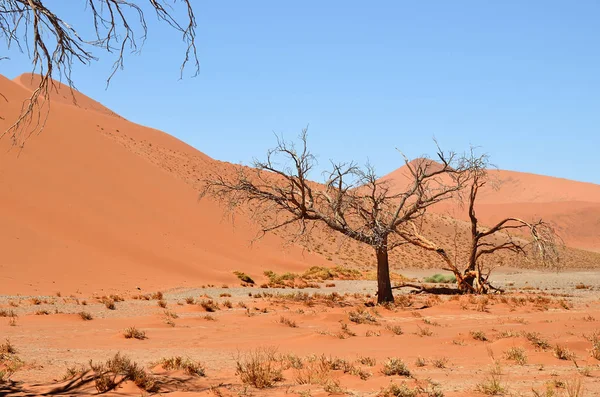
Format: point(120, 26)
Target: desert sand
point(101, 216)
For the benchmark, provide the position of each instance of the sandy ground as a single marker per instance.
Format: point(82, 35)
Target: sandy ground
point(562, 307)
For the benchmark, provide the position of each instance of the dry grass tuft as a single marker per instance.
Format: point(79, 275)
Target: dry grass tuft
point(479, 335)
point(361, 316)
point(85, 316)
point(107, 376)
point(287, 321)
point(562, 353)
point(395, 366)
point(536, 340)
point(259, 368)
point(134, 333)
point(191, 367)
point(516, 354)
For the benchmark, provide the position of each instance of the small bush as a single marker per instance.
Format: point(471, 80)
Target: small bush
point(190, 367)
point(190, 300)
point(361, 316)
point(228, 304)
point(134, 333)
point(516, 354)
point(441, 279)
point(424, 331)
point(110, 304)
point(105, 375)
point(86, 316)
point(259, 368)
point(479, 335)
point(244, 277)
point(395, 366)
point(396, 329)
point(420, 362)
point(402, 390)
point(209, 317)
point(7, 348)
point(536, 340)
point(440, 362)
point(491, 386)
point(562, 353)
point(157, 296)
point(41, 312)
point(368, 361)
point(162, 303)
point(209, 305)
point(287, 321)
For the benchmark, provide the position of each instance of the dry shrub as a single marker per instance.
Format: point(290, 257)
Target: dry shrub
point(395, 366)
point(402, 390)
point(368, 361)
point(158, 296)
point(259, 368)
point(562, 353)
point(9, 362)
point(134, 333)
point(440, 362)
point(287, 321)
point(190, 300)
point(209, 305)
point(85, 316)
point(191, 367)
point(162, 303)
point(228, 304)
point(107, 376)
point(396, 329)
point(362, 316)
point(516, 354)
point(479, 335)
point(315, 371)
point(537, 340)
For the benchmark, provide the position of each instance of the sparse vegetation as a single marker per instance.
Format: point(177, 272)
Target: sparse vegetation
point(479, 335)
point(395, 366)
point(287, 321)
point(191, 367)
point(162, 303)
point(244, 277)
point(361, 316)
point(440, 362)
point(259, 368)
point(396, 329)
point(562, 353)
point(441, 279)
point(516, 354)
point(105, 375)
point(209, 305)
point(86, 316)
point(134, 333)
point(537, 340)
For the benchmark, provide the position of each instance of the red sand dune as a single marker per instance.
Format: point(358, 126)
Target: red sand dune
point(97, 202)
point(572, 207)
point(80, 210)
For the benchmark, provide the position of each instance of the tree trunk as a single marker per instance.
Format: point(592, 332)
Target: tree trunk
point(384, 285)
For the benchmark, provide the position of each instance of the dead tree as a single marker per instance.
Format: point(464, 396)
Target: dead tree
point(54, 44)
point(535, 238)
point(353, 201)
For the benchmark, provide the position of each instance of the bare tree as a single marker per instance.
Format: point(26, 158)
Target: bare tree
point(542, 241)
point(54, 44)
point(353, 201)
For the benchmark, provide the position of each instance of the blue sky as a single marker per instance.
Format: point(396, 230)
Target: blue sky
point(519, 78)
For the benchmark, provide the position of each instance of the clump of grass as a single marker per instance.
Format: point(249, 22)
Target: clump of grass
point(537, 340)
point(395, 366)
point(402, 390)
point(85, 316)
point(288, 321)
point(158, 296)
point(368, 361)
point(431, 322)
point(228, 304)
point(420, 362)
point(259, 368)
point(35, 301)
point(209, 305)
point(105, 375)
point(440, 362)
point(191, 367)
point(209, 317)
point(516, 354)
point(424, 331)
point(110, 304)
point(171, 314)
point(190, 300)
point(42, 312)
point(7, 313)
point(562, 353)
point(361, 316)
point(396, 329)
point(134, 333)
point(441, 279)
point(595, 351)
point(479, 335)
point(371, 332)
point(244, 277)
point(7, 348)
point(491, 386)
point(162, 303)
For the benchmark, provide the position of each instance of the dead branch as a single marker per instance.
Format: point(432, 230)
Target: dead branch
point(54, 45)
